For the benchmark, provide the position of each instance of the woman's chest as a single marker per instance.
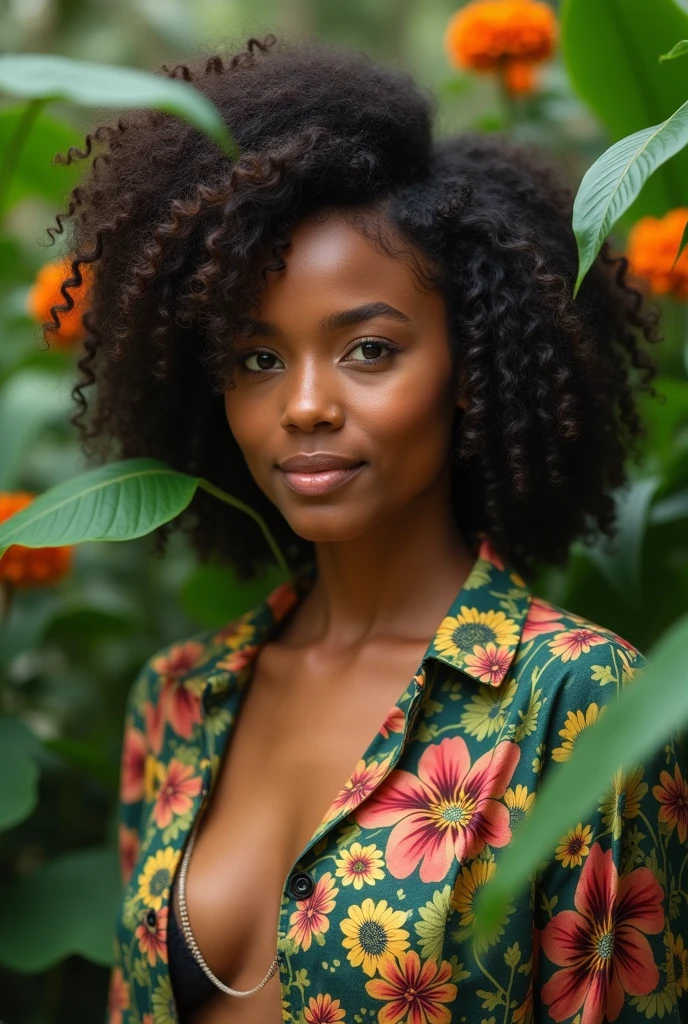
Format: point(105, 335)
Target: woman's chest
point(397, 820)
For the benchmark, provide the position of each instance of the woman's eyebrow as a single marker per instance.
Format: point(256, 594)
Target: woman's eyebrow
point(344, 318)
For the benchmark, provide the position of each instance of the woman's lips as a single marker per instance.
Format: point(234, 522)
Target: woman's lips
point(320, 483)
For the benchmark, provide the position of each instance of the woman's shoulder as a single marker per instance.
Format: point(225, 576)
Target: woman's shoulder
point(572, 656)
point(190, 661)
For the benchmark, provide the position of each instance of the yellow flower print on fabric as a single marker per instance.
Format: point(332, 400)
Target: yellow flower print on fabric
point(624, 800)
point(485, 714)
point(468, 885)
point(519, 801)
point(459, 635)
point(576, 723)
point(156, 877)
point(323, 1009)
point(574, 846)
point(359, 865)
point(373, 933)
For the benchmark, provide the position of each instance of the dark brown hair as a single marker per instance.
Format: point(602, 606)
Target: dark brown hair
point(182, 238)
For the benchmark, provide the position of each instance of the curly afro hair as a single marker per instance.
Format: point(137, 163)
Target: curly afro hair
point(183, 238)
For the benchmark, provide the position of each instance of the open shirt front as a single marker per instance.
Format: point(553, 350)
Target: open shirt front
point(504, 689)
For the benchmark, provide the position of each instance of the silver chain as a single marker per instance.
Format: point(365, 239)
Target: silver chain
point(191, 940)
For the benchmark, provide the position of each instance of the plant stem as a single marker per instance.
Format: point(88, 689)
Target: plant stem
point(229, 500)
point(509, 109)
point(15, 144)
point(6, 596)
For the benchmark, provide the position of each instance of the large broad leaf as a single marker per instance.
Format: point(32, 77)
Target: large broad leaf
point(649, 710)
point(120, 501)
point(611, 49)
point(18, 772)
point(46, 77)
point(612, 183)
point(68, 906)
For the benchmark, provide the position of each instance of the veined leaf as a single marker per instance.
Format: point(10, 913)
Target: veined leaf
point(649, 710)
point(39, 76)
point(610, 186)
point(119, 501)
point(116, 502)
point(611, 51)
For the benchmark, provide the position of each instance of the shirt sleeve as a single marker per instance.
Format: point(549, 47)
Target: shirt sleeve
point(139, 731)
point(610, 909)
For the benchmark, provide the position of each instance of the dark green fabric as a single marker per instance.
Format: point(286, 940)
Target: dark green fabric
point(505, 687)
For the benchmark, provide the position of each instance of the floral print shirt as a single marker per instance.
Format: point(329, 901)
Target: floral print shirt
point(506, 686)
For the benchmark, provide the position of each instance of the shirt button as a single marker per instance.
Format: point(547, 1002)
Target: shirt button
point(300, 885)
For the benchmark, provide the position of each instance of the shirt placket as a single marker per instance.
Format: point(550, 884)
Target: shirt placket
point(300, 882)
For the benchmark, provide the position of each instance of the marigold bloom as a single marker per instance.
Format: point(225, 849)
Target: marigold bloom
point(509, 36)
point(652, 246)
point(45, 293)
point(30, 567)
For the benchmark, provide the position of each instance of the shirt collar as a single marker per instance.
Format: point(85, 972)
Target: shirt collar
point(479, 634)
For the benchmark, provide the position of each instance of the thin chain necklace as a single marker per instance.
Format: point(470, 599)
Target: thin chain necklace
point(191, 940)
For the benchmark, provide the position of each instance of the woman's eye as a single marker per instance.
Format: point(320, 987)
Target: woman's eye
point(374, 350)
point(263, 361)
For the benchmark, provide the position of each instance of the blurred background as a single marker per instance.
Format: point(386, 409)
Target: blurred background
point(76, 625)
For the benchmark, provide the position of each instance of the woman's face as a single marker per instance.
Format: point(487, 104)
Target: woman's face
point(350, 358)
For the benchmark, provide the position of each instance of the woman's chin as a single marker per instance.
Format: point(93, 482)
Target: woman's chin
point(328, 526)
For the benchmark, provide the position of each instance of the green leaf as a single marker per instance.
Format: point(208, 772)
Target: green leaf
point(676, 51)
point(213, 596)
point(34, 173)
point(649, 710)
point(619, 560)
point(67, 906)
point(29, 400)
point(682, 245)
point(611, 53)
point(18, 772)
point(119, 501)
point(670, 509)
point(37, 76)
point(615, 179)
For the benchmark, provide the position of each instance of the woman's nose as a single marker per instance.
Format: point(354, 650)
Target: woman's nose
point(311, 398)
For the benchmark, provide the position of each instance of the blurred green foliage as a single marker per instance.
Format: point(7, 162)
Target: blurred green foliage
point(68, 654)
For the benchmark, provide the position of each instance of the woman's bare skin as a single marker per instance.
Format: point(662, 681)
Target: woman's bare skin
point(390, 561)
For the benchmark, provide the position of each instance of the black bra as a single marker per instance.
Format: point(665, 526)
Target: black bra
point(190, 986)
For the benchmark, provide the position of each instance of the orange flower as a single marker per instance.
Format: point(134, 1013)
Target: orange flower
point(30, 567)
point(311, 915)
point(673, 796)
point(45, 292)
point(178, 788)
point(652, 246)
point(323, 1010)
point(118, 997)
point(508, 36)
point(520, 77)
point(413, 990)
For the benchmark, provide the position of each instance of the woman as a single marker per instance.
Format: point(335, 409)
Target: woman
point(368, 336)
